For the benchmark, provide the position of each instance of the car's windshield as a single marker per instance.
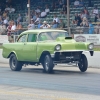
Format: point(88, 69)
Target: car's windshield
point(52, 35)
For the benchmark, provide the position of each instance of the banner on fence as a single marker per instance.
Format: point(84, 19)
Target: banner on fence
point(92, 38)
point(4, 39)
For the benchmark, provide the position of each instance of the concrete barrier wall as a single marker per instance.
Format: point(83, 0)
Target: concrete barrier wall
point(93, 61)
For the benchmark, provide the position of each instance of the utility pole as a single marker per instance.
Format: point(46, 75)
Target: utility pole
point(68, 17)
point(28, 6)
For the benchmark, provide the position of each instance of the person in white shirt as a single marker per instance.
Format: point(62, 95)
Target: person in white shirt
point(76, 3)
point(95, 11)
point(7, 8)
point(13, 28)
point(12, 10)
point(56, 19)
point(31, 25)
point(13, 31)
point(5, 21)
point(43, 14)
point(45, 25)
point(47, 10)
point(37, 10)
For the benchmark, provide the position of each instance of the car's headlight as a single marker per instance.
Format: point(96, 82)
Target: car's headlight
point(58, 47)
point(91, 46)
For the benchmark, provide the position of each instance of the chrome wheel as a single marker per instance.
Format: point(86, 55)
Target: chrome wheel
point(47, 62)
point(13, 62)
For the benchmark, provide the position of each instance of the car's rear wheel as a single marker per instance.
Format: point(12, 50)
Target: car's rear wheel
point(48, 64)
point(14, 64)
point(83, 63)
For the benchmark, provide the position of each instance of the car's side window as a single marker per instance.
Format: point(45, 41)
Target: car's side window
point(22, 38)
point(44, 36)
point(32, 37)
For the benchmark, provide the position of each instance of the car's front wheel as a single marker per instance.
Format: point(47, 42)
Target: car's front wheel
point(83, 63)
point(48, 64)
point(14, 64)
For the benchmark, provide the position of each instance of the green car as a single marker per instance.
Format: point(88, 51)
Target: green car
point(46, 47)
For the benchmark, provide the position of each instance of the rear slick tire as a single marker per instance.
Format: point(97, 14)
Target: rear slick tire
point(15, 65)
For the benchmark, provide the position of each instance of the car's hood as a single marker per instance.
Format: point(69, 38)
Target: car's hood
point(68, 44)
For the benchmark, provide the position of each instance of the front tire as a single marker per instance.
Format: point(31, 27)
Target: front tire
point(48, 64)
point(14, 64)
point(83, 63)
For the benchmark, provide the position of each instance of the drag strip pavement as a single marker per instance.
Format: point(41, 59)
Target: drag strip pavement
point(68, 80)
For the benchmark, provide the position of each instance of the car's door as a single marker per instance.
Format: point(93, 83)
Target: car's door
point(19, 46)
point(30, 48)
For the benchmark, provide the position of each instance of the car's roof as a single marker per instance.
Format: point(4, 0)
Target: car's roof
point(35, 31)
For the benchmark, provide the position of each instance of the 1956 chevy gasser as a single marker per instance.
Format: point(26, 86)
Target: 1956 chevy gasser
point(47, 47)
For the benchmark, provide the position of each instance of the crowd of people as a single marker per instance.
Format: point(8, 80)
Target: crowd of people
point(83, 19)
point(9, 27)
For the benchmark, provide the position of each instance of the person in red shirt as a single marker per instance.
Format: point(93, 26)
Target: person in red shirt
point(9, 32)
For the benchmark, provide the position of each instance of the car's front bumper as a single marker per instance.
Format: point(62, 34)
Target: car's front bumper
point(91, 52)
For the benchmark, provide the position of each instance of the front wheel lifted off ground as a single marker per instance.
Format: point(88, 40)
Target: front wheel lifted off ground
point(48, 64)
point(83, 63)
point(14, 64)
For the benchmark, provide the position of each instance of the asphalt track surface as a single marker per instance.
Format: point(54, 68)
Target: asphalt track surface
point(65, 83)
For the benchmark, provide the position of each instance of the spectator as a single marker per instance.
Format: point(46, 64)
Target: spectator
point(96, 18)
point(26, 17)
point(5, 21)
point(5, 14)
point(37, 19)
point(91, 28)
point(37, 10)
point(97, 29)
point(12, 10)
point(19, 19)
point(61, 24)
point(43, 14)
point(13, 28)
point(7, 8)
point(9, 31)
point(81, 3)
point(31, 25)
point(47, 10)
point(76, 3)
point(3, 29)
point(86, 11)
point(95, 11)
point(45, 25)
point(34, 16)
point(77, 19)
point(54, 24)
point(39, 24)
point(18, 28)
point(83, 14)
point(56, 18)
point(85, 25)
